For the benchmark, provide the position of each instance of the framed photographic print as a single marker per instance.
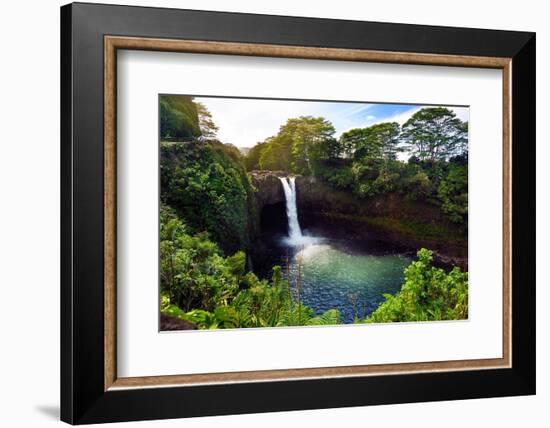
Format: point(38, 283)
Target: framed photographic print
point(265, 213)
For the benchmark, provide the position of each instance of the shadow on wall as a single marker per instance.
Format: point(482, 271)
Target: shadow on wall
point(51, 411)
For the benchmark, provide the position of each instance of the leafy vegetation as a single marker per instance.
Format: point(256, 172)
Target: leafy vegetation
point(200, 285)
point(435, 134)
point(299, 145)
point(366, 161)
point(208, 220)
point(205, 182)
point(428, 294)
point(179, 119)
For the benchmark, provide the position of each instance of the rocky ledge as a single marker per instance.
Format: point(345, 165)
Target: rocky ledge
point(268, 186)
point(389, 217)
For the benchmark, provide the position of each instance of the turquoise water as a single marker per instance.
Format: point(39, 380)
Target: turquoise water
point(351, 281)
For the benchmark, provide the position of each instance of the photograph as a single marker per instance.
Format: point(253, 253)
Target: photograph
point(282, 212)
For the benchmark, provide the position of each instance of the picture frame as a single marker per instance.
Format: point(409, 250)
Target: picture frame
point(91, 391)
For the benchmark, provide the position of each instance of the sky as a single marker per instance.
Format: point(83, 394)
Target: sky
point(246, 122)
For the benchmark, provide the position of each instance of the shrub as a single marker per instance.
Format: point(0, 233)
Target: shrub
point(428, 294)
point(201, 286)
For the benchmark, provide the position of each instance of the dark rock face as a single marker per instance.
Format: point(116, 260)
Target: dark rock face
point(270, 200)
point(323, 210)
point(390, 217)
point(273, 219)
point(314, 196)
point(168, 323)
point(269, 188)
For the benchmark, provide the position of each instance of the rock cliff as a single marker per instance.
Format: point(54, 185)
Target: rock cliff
point(392, 217)
point(269, 190)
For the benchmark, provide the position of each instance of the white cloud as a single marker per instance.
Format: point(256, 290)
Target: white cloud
point(245, 122)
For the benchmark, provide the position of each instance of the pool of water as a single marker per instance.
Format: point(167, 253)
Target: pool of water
point(335, 274)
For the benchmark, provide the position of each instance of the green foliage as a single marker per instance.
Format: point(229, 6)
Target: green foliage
point(453, 192)
point(337, 172)
point(428, 294)
point(179, 119)
point(193, 272)
point(311, 139)
point(207, 186)
point(364, 160)
point(201, 286)
point(435, 133)
point(298, 146)
point(208, 212)
point(418, 186)
point(329, 317)
point(206, 123)
point(275, 154)
point(378, 141)
point(252, 159)
point(413, 229)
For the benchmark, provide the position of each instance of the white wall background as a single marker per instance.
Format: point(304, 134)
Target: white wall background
point(29, 214)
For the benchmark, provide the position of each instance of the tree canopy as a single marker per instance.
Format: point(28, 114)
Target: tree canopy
point(179, 118)
point(379, 141)
point(206, 184)
point(435, 133)
point(207, 126)
point(299, 144)
point(209, 219)
point(368, 161)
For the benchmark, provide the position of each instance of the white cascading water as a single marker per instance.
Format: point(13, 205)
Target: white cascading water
point(294, 231)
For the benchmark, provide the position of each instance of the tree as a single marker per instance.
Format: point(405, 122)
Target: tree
point(380, 141)
point(275, 155)
point(330, 149)
point(179, 119)
point(453, 193)
point(207, 126)
point(388, 136)
point(299, 144)
point(312, 140)
point(435, 133)
point(252, 158)
point(351, 140)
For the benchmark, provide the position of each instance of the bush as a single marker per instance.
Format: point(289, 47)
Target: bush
point(207, 186)
point(418, 186)
point(428, 294)
point(201, 286)
point(453, 193)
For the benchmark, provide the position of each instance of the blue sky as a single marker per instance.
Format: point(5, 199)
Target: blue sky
point(245, 122)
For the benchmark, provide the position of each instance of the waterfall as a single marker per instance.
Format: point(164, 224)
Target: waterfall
point(294, 231)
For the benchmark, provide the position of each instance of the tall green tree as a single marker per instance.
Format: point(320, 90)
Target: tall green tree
point(252, 159)
point(380, 141)
point(276, 153)
point(435, 133)
point(208, 127)
point(300, 143)
point(312, 140)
